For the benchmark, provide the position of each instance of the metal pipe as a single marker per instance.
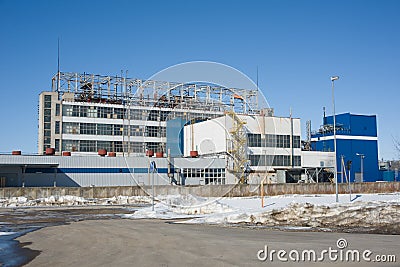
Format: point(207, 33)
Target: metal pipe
point(333, 79)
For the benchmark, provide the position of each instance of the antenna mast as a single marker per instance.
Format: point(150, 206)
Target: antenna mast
point(257, 78)
point(58, 64)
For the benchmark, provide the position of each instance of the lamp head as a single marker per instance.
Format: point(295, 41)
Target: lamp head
point(334, 78)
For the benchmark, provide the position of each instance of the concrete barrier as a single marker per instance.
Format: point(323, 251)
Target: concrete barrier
point(204, 191)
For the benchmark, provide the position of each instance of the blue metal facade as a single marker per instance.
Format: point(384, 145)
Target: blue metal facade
point(355, 134)
point(175, 136)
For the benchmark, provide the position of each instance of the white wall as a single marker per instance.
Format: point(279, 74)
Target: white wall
point(209, 137)
point(314, 159)
point(271, 125)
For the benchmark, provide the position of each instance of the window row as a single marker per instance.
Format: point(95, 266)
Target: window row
point(135, 114)
point(113, 129)
point(274, 160)
point(47, 122)
point(211, 175)
point(116, 146)
point(272, 140)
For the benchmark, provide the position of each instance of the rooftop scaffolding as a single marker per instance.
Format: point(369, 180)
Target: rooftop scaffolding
point(122, 90)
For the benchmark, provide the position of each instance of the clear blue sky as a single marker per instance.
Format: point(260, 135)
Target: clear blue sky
point(297, 46)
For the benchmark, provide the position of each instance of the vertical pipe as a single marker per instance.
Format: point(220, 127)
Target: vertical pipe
point(349, 184)
point(262, 193)
point(291, 140)
point(334, 141)
point(152, 189)
point(23, 175)
point(169, 165)
point(55, 176)
point(192, 133)
point(341, 168)
point(362, 168)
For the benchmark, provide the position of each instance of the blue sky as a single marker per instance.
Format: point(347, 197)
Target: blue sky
point(297, 46)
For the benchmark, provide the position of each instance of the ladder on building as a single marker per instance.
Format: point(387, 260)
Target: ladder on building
point(237, 148)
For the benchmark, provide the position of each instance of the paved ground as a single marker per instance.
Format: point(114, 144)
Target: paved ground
point(119, 242)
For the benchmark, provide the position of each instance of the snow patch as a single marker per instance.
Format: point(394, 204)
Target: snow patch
point(180, 206)
point(72, 201)
point(7, 233)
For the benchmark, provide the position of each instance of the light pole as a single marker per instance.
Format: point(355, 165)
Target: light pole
point(362, 156)
point(333, 79)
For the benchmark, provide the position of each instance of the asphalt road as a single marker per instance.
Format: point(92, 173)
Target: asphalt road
point(124, 242)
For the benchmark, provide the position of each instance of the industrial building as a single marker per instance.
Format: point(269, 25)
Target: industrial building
point(357, 142)
point(25, 170)
point(84, 113)
point(107, 130)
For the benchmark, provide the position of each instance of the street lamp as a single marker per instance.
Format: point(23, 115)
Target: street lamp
point(362, 156)
point(333, 79)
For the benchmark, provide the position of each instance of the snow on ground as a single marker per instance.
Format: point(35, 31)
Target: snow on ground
point(322, 211)
point(180, 206)
point(71, 201)
point(7, 233)
point(365, 210)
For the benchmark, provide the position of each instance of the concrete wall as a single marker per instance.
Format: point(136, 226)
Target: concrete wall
point(205, 191)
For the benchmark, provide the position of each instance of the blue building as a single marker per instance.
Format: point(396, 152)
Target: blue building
point(356, 137)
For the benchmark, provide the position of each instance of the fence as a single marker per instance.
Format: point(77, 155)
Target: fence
point(204, 191)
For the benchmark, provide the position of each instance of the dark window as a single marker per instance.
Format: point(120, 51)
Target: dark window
point(57, 127)
point(57, 145)
point(254, 140)
point(57, 109)
point(296, 142)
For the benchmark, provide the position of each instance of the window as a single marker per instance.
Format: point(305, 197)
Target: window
point(80, 111)
point(47, 98)
point(164, 115)
point(118, 113)
point(70, 128)
point(296, 141)
point(152, 131)
point(118, 129)
point(136, 147)
point(274, 160)
point(57, 127)
point(283, 141)
point(136, 130)
point(67, 110)
point(254, 140)
point(91, 112)
point(57, 109)
point(88, 128)
point(57, 145)
point(104, 129)
point(118, 146)
point(254, 160)
point(153, 115)
point(270, 140)
point(297, 161)
point(210, 175)
point(107, 145)
point(153, 146)
point(87, 146)
point(135, 114)
point(47, 101)
point(104, 112)
point(70, 145)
